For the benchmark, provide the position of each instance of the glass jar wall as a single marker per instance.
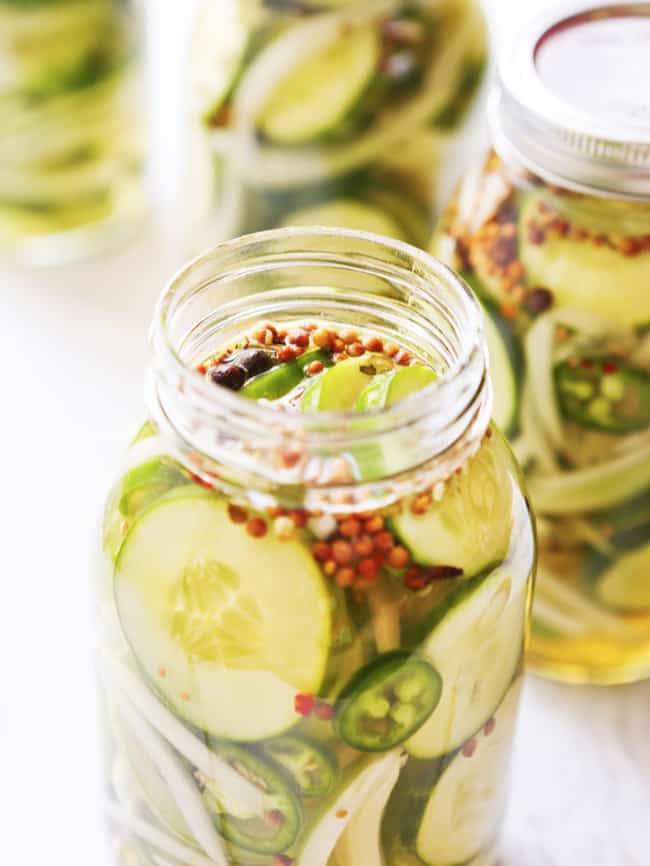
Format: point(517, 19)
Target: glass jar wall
point(338, 112)
point(553, 233)
point(316, 569)
point(71, 148)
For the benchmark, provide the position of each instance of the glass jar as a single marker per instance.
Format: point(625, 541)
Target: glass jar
point(260, 708)
point(553, 233)
point(71, 147)
point(348, 113)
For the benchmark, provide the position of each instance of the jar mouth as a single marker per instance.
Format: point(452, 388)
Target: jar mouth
point(322, 275)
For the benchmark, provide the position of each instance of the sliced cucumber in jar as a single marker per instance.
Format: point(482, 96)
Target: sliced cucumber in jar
point(338, 389)
point(387, 701)
point(311, 766)
point(465, 807)
point(272, 831)
point(476, 643)
point(350, 214)
point(506, 368)
point(316, 96)
point(624, 585)
point(227, 626)
point(470, 527)
point(583, 276)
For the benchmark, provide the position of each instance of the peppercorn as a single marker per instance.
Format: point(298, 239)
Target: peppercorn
point(342, 552)
point(350, 527)
point(237, 514)
point(538, 301)
point(321, 551)
point(256, 527)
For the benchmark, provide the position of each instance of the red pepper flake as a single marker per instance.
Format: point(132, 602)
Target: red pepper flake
point(342, 813)
point(202, 369)
point(291, 458)
point(324, 712)
point(256, 527)
point(237, 514)
point(198, 480)
point(300, 518)
point(304, 704)
point(469, 748)
point(490, 725)
point(586, 364)
point(609, 367)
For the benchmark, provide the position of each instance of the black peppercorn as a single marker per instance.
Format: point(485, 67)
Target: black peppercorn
point(230, 376)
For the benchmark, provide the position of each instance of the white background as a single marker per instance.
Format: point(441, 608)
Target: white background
point(72, 355)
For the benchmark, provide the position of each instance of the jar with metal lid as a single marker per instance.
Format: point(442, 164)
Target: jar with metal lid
point(352, 113)
point(553, 233)
point(71, 128)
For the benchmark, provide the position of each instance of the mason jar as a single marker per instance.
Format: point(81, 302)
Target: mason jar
point(71, 110)
point(352, 113)
point(312, 616)
point(552, 231)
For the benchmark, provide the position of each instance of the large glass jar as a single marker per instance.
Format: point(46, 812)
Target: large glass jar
point(71, 117)
point(553, 233)
point(348, 113)
point(285, 682)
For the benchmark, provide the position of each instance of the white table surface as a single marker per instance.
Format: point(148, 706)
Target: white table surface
point(72, 354)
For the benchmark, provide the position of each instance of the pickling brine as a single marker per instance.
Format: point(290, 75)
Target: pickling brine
point(351, 114)
point(71, 120)
point(554, 236)
point(315, 571)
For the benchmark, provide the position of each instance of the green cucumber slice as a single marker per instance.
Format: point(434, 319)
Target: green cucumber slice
point(282, 379)
point(270, 832)
point(470, 527)
point(604, 393)
point(318, 94)
point(625, 584)
point(309, 764)
point(338, 389)
point(390, 388)
point(466, 806)
point(347, 213)
point(143, 484)
point(228, 627)
point(387, 701)
point(586, 277)
point(476, 644)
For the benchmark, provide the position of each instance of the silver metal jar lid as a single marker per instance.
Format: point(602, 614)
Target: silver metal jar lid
point(572, 103)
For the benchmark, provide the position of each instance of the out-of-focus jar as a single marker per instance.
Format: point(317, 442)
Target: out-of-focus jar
point(350, 113)
point(553, 233)
point(71, 119)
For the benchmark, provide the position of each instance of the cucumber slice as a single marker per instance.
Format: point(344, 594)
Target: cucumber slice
point(280, 380)
point(318, 94)
point(387, 701)
point(309, 764)
point(350, 214)
point(625, 583)
point(465, 808)
point(254, 831)
point(586, 277)
point(470, 527)
point(392, 387)
point(338, 389)
point(476, 644)
point(228, 627)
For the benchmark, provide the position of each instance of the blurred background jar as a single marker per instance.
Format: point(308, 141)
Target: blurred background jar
point(552, 230)
point(353, 113)
point(71, 145)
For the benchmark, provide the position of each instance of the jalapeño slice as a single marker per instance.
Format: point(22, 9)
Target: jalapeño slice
point(269, 832)
point(309, 764)
point(604, 393)
point(387, 702)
